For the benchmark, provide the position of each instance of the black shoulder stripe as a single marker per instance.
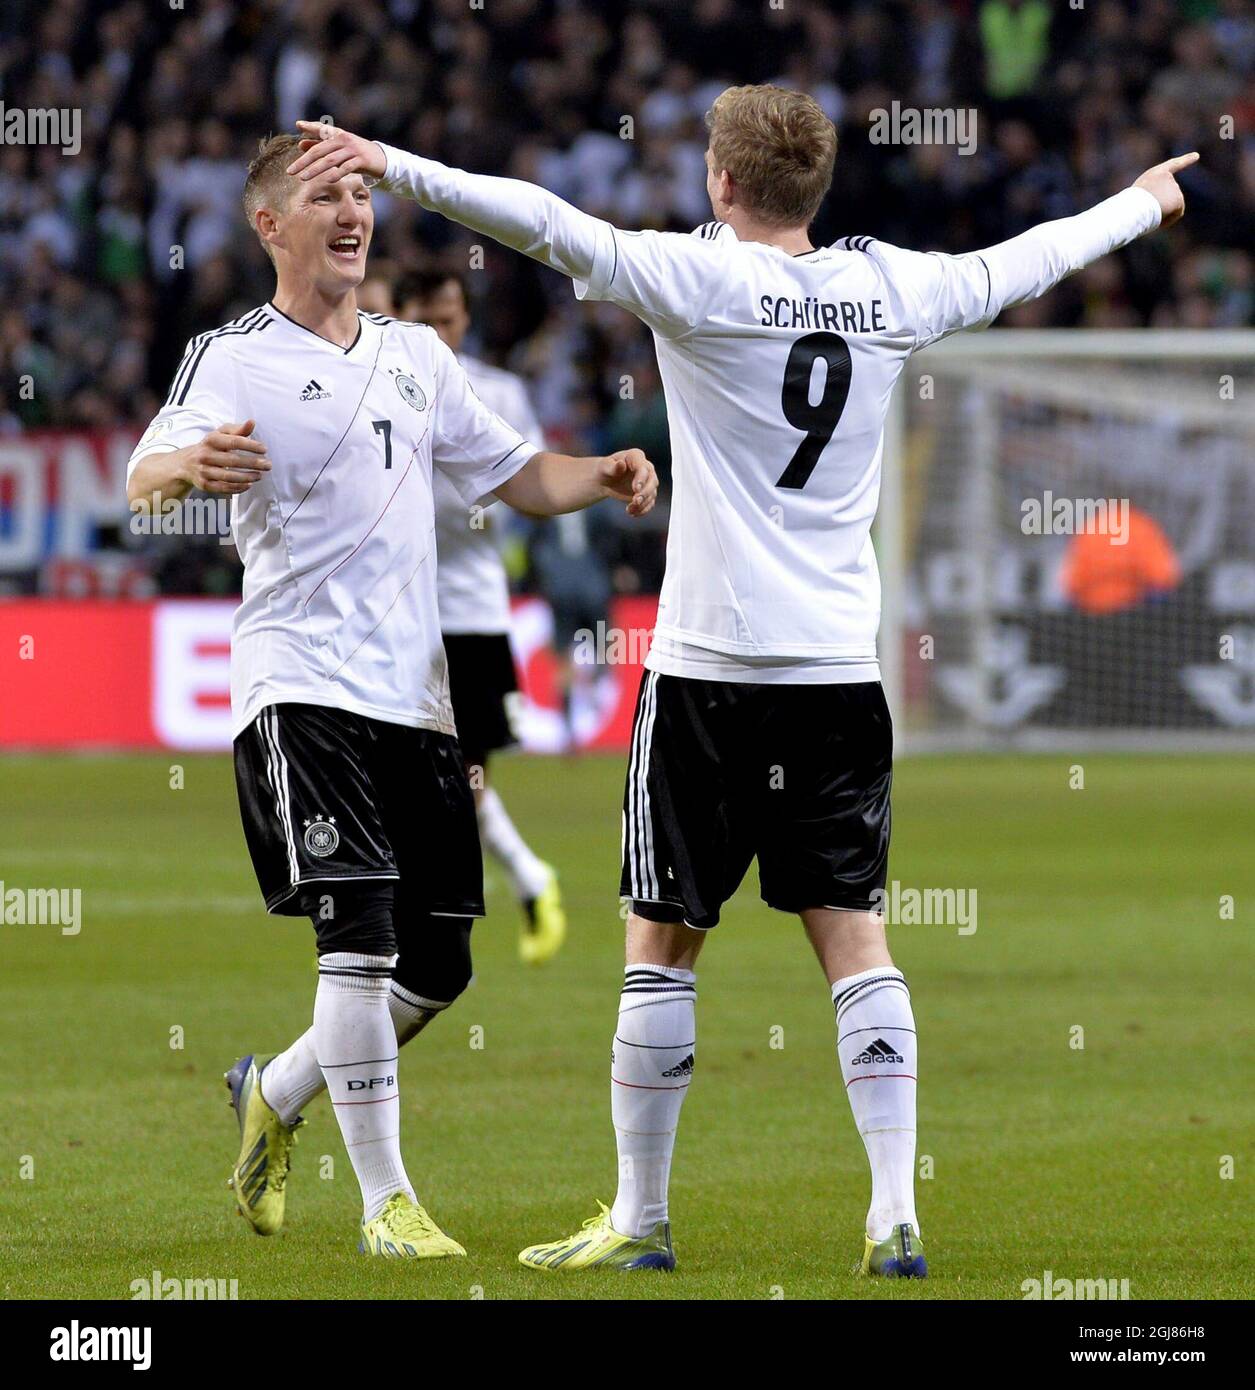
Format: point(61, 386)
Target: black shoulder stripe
point(194, 347)
point(383, 320)
point(255, 325)
point(255, 321)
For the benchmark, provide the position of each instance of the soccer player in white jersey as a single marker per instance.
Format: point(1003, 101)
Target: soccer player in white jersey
point(761, 728)
point(325, 425)
point(474, 598)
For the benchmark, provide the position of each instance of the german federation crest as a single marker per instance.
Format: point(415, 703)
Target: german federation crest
point(411, 392)
point(321, 836)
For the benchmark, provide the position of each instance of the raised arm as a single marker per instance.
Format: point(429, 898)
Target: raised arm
point(969, 291)
point(520, 215)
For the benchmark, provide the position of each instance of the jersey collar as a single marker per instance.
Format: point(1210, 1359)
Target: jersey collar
point(284, 319)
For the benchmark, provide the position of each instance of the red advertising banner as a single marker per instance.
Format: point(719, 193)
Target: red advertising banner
point(123, 674)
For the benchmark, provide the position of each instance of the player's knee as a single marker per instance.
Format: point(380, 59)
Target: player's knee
point(435, 959)
point(352, 917)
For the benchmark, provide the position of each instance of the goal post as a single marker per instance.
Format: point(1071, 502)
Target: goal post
point(1066, 540)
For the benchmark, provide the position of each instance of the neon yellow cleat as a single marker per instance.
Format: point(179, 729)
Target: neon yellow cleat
point(544, 927)
point(261, 1170)
point(899, 1256)
point(597, 1245)
point(403, 1230)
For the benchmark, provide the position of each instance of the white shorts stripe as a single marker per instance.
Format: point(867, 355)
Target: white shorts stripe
point(632, 814)
point(268, 723)
point(649, 709)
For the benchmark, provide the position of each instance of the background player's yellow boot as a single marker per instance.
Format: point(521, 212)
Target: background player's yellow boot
point(403, 1230)
point(260, 1176)
point(597, 1245)
point(544, 928)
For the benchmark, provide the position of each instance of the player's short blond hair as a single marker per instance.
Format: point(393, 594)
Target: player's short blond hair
point(779, 148)
point(267, 185)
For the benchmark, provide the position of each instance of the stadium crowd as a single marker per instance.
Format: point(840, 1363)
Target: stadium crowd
point(112, 257)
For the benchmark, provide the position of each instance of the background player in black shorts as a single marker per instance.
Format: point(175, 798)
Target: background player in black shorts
point(474, 598)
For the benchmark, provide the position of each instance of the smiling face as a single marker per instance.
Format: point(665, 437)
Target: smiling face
point(317, 233)
point(323, 233)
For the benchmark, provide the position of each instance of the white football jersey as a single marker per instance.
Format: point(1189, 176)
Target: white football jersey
point(778, 371)
point(471, 581)
point(338, 539)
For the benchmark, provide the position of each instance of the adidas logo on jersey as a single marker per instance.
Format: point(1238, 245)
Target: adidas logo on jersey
point(879, 1051)
point(684, 1068)
point(314, 392)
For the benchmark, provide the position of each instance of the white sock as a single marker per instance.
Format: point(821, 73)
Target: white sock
point(528, 876)
point(357, 1051)
point(876, 1045)
point(651, 1066)
point(292, 1079)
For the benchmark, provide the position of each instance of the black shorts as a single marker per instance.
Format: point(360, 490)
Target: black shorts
point(719, 772)
point(330, 797)
point(482, 684)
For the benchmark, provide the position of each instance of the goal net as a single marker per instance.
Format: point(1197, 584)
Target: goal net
point(1067, 541)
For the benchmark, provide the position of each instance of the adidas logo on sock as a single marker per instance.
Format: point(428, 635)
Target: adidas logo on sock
point(314, 392)
point(878, 1051)
point(684, 1068)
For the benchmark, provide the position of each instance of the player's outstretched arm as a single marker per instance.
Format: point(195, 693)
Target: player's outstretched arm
point(225, 461)
point(551, 484)
point(1028, 265)
point(520, 215)
point(969, 291)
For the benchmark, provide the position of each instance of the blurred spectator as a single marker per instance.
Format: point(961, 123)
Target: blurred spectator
point(111, 259)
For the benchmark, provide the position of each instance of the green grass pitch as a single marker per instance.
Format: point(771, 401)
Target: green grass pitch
point(1098, 908)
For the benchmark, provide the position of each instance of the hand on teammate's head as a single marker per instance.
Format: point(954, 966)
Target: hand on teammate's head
point(328, 150)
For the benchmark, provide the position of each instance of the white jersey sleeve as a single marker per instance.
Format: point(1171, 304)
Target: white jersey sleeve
point(473, 447)
point(202, 398)
point(665, 278)
point(970, 291)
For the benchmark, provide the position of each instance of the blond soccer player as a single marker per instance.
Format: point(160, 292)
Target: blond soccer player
point(761, 727)
point(327, 426)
